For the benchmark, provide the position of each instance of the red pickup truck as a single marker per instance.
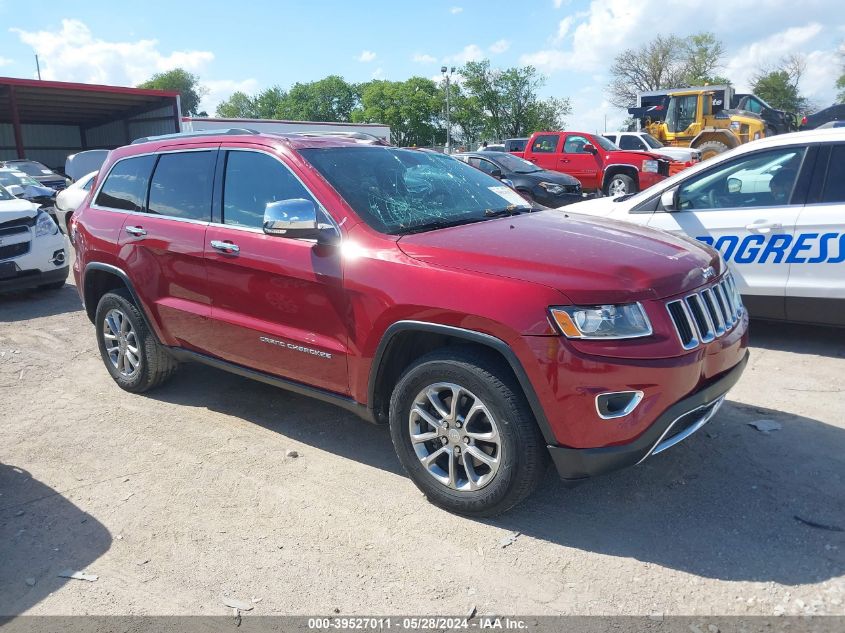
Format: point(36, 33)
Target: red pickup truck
point(596, 162)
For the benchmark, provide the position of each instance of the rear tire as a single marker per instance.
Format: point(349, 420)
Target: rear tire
point(130, 351)
point(711, 149)
point(492, 419)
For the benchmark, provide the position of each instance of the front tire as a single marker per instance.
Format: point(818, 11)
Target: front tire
point(620, 185)
point(464, 433)
point(130, 352)
point(711, 149)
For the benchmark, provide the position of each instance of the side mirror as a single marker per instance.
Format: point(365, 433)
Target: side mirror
point(669, 199)
point(295, 218)
point(590, 148)
point(734, 185)
point(497, 174)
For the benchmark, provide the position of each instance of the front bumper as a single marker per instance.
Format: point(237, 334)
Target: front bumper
point(33, 278)
point(648, 179)
point(677, 423)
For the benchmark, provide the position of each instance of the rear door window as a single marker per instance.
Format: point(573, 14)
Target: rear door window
point(545, 144)
point(125, 187)
point(181, 185)
point(631, 142)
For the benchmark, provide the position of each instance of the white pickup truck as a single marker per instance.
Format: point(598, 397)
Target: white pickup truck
point(647, 143)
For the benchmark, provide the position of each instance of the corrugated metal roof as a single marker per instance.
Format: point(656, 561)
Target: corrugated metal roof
point(78, 104)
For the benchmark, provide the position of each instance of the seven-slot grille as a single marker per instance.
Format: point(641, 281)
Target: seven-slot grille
point(707, 314)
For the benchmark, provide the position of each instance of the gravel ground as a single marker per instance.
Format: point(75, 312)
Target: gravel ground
point(184, 495)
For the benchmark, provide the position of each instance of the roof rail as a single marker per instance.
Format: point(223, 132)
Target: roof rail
point(221, 132)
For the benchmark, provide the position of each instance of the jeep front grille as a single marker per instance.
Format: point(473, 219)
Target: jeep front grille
point(708, 314)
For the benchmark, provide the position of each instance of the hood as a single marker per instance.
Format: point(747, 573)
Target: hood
point(555, 177)
point(11, 210)
point(631, 157)
point(590, 260)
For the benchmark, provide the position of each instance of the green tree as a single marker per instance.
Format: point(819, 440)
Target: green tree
point(181, 81)
point(840, 83)
point(262, 106)
point(411, 108)
point(329, 99)
point(467, 116)
point(703, 55)
point(238, 106)
point(779, 86)
point(508, 99)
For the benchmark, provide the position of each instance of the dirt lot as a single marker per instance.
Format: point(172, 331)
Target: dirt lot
point(183, 495)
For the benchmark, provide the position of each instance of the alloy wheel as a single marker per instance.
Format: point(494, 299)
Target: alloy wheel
point(455, 436)
point(121, 343)
point(617, 187)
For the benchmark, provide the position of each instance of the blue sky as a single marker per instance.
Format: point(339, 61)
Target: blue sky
point(250, 46)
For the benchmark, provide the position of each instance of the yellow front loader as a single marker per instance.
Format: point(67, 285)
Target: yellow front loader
point(690, 122)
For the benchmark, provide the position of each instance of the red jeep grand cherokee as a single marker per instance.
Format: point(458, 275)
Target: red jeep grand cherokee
point(412, 289)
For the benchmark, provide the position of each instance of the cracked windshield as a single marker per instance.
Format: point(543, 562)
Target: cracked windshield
point(403, 191)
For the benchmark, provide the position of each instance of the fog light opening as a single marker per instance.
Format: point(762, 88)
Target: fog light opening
point(617, 404)
point(58, 257)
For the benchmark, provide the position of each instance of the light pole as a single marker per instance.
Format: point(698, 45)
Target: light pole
point(447, 72)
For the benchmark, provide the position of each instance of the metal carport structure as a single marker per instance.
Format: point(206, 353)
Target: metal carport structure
point(48, 120)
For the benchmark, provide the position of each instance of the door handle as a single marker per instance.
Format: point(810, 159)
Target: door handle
point(564, 160)
point(136, 231)
point(763, 227)
point(225, 247)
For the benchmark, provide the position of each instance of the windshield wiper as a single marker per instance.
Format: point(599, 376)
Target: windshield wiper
point(436, 224)
point(511, 209)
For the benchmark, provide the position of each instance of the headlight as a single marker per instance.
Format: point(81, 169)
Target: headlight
point(650, 166)
point(44, 225)
point(552, 187)
point(602, 322)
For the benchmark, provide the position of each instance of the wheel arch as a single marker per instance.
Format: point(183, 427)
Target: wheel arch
point(620, 168)
point(723, 136)
point(405, 341)
point(100, 278)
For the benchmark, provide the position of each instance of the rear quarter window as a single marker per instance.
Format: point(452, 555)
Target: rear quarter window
point(125, 187)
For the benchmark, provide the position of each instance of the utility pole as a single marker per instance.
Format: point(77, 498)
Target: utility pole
point(38, 67)
point(448, 74)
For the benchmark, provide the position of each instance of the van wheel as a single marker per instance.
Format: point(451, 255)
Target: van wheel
point(133, 357)
point(464, 433)
point(620, 185)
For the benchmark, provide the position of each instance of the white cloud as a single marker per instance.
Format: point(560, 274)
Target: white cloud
point(456, 10)
point(221, 89)
point(378, 73)
point(767, 52)
point(563, 28)
point(499, 46)
point(72, 53)
point(559, 3)
point(5, 61)
point(420, 58)
point(470, 53)
point(366, 56)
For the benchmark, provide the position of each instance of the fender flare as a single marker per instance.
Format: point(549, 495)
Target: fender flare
point(486, 340)
point(118, 272)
